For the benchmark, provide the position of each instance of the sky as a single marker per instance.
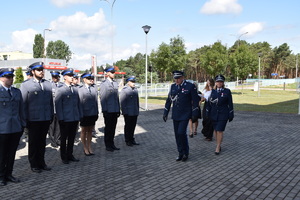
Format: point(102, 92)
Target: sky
point(113, 31)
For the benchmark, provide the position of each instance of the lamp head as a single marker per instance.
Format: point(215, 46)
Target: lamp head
point(146, 28)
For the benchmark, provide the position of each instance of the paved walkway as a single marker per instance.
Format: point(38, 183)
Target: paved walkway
point(260, 159)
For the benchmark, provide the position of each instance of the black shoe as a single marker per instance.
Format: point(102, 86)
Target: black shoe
point(36, 170)
point(179, 158)
point(46, 168)
point(54, 145)
point(86, 154)
point(184, 158)
point(129, 144)
point(191, 135)
point(10, 178)
point(217, 153)
point(115, 148)
point(65, 161)
point(109, 149)
point(2, 182)
point(91, 154)
point(73, 159)
point(134, 143)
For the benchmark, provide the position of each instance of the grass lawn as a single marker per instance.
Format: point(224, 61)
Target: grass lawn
point(275, 101)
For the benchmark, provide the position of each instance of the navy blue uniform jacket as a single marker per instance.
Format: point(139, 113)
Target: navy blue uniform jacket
point(220, 106)
point(185, 101)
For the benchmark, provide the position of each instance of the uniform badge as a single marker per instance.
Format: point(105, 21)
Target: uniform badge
point(35, 92)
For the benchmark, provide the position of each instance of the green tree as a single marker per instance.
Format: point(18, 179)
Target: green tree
point(38, 46)
point(169, 57)
point(265, 50)
point(215, 60)
point(19, 75)
point(59, 50)
point(243, 62)
point(280, 55)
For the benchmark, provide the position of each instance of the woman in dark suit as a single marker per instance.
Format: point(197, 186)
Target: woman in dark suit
point(220, 110)
point(89, 104)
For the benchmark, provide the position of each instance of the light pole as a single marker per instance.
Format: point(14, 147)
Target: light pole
point(146, 30)
point(112, 35)
point(239, 38)
point(296, 66)
point(258, 89)
point(46, 29)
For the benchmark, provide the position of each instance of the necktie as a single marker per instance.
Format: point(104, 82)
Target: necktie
point(71, 88)
point(9, 92)
point(89, 89)
point(40, 83)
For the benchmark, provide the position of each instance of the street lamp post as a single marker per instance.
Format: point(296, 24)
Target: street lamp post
point(296, 66)
point(239, 38)
point(258, 89)
point(46, 29)
point(112, 34)
point(146, 30)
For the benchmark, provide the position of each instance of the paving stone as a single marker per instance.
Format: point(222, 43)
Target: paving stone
point(260, 159)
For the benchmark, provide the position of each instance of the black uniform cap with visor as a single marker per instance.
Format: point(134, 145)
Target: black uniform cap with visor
point(7, 72)
point(220, 78)
point(177, 74)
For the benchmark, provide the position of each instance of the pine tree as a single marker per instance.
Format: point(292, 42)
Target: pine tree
point(19, 76)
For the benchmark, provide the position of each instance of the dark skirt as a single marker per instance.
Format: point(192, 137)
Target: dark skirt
point(88, 120)
point(219, 125)
point(208, 129)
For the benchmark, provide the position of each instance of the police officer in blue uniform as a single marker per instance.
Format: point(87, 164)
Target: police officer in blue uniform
point(220, 109)
point(54, 132)
point(76, 81)
point(89, 102)
point(38, 105)
point(28, 74)
point(129, 99)
point(11, 124)
point(183, 96)
point(109, 98)
point(68, 112)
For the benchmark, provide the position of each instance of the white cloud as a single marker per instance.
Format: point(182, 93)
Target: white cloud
point(21, 41)
point(65, 3)
point(221, 7)
point(252, 28)
point(85, 35)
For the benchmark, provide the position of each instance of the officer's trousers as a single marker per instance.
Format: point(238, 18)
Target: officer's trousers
point(130, 124)
point(54, 132)
point(37, 142)
point(8, 147)
point(110, 121)
point(68, 132)
point(181, 137)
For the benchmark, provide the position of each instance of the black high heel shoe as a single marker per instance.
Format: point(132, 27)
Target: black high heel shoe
point(191, 135)
point(217, 153)
point(86, 154)
point(91, 154)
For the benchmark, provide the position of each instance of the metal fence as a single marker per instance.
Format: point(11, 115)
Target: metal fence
point(162, 89)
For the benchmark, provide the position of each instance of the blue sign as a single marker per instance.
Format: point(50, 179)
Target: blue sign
point(274, 74)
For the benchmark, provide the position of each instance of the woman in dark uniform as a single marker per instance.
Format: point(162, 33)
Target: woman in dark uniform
point(220, 110)
point(89, 104)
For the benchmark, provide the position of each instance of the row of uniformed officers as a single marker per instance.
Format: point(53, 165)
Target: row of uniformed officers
point(40, 103)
